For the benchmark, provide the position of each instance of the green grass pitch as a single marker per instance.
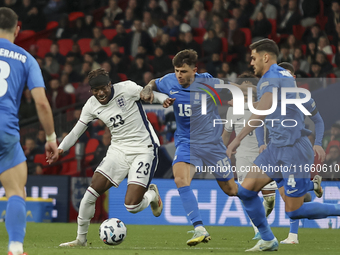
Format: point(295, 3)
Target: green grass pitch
point(44, 238)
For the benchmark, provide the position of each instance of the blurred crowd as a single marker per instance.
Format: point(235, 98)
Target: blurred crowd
point(136, 40)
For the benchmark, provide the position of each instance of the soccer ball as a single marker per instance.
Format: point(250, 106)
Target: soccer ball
point(112, 231)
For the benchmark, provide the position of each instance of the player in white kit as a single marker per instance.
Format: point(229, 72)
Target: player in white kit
point(133, 151)
point(249, 148)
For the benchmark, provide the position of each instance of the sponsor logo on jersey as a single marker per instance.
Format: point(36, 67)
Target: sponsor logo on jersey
point(173, 92)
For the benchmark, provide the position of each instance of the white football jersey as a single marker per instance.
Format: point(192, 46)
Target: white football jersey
point(249, 145)
point(124, 115)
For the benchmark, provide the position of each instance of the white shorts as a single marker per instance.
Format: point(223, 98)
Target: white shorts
point(140, 168)
point(243, 166)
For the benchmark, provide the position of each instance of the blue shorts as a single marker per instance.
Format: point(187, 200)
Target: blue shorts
point(206, 158)
point(11, 153)
point(289, 165)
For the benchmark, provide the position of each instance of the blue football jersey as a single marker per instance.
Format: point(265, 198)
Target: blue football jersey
point(282, 131)
point(17, 69)
point(192, 125)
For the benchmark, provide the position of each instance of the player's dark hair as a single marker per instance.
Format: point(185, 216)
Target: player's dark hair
point(248, 75)
point(97, 72)
point(251, 79)
point(265, 45)
point(98, 77)
point(287, 66)
point(188, 57)
point(8, 19)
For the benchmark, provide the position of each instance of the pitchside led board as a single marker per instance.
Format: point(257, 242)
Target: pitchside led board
point(216, 208)
point(48, 186)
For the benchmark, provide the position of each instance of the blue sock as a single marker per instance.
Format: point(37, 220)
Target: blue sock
point(253, 205)
point(190, 205)
point(315, 210)
point(16, 219)
point(294, 226)
point(311, 186)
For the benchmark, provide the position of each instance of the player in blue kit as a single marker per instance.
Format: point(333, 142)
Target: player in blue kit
point(196, 140)
point(18, 68)
point(289, 148)
point(318, 150)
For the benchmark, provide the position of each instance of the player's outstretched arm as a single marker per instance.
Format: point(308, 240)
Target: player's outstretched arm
point(226, 137)
point(259, 131)
point(162, 99)
point(72, 137)
point(319, 131)
point(147, 92)
point(46, 119)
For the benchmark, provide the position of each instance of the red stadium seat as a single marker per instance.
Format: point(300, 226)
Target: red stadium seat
point(331, 78)
point(107, 50)
point(304, 49)
point(199, 32)
point(305, 86)
point(25, 34)
point(199, 39)
point(75, 85)
point(330, 58)
point(91, 147)
point(40, 159)
point(44, 46)
point(298, 31)
point(322, 8)
point(51, 25)
point(247, 33)
point(332, 143)
point(273, 34)
point(25, 39)
point(122, 76)
point(65, 46)
point(208, 5)
point(322, 21)
point(75, 15)
point(69, 167)
point(274, 26)
point(110, 33)
point(224, 44)
point(84, 45)
point(99, 24)
point(230, 58)
point(333, 49)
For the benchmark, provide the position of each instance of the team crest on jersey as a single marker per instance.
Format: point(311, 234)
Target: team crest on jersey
point(197, 97)
point(121, 102)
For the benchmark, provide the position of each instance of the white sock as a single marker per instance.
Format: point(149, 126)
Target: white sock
point(16, 248)
point(201, 228)
point(315, 186)
point(293, 236)
point(86, 212)
point(148, 197)
point(268, 203)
